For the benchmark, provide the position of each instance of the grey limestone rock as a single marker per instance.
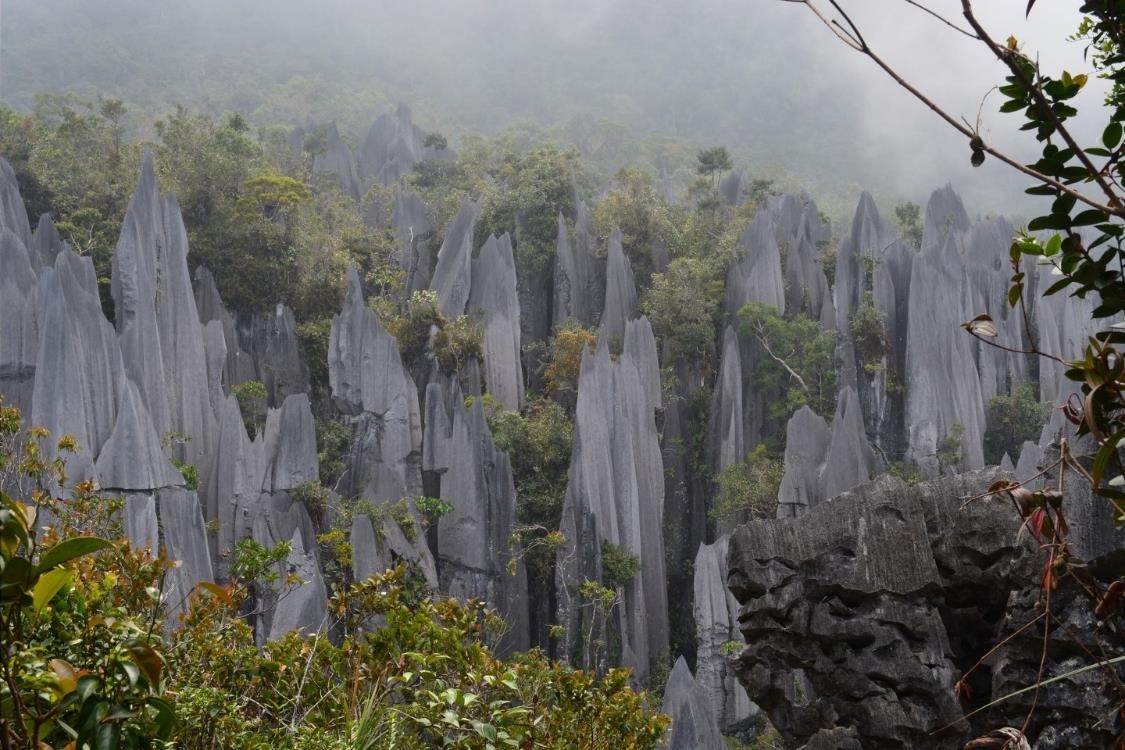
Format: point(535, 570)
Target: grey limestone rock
point(694, 726)
point(414, 230)
point(183, 536)
point(728, 446)
point(290, 445)
point(19, 332)
point(79, 368)
point(157, 320)
point(806, 444)
point(944, 387)
point(132, 459)
point(369, 382)
point(393, 145)
point(452, 277)
point(13, 215)
point(337, 158)
point(140, 522)
point(850, 460)
point(576, 285)
point(615, 495)
point(494, 301)
point(476, 480)
point(757, 275)
point(304, 606)
point(822, 462)
point(877, 600)
point(732, 187)
point(620, 292)
point(716, 625)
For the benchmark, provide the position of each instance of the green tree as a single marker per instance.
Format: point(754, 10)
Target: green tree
point(712, 162)
point(748, 489)
point(797, 369)
point(683, 305)
point(78, 662)
point(1011, 420)
point(909, 219)
point(529, 192)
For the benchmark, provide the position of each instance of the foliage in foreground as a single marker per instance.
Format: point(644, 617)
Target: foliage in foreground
point(84, 661)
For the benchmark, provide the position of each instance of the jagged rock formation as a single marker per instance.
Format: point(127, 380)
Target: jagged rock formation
point(577, 293)
point(615, 496)
point(493, 301)
point(414, 230)
point(620, 293)
point(862, 613)
point(476, 480)
point(370, 384)
point(866, 605)
point(716, 626)
point(153, 391)
point(393, 145)
point(756, 276)
point(337, 158)
point(693, 722)
point(452, 278)
point(157, 321)
point(822, 462)
point(262, 347)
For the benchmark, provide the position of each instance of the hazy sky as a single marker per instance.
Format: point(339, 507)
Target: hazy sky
point(761, 76)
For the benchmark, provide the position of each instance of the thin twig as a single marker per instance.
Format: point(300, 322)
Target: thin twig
point(859, 45)
point(943, 19)
point(1006, 56)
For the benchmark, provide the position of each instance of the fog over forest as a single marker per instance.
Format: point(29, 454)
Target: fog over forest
point(762, 77)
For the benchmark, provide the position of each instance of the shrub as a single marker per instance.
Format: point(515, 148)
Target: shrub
point(748, 488)
point(457, 342)
point(1011, 420)
point(567, 345)
point(619, 565)
point(868, 326)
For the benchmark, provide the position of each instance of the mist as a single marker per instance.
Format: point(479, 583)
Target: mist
point(763, 77)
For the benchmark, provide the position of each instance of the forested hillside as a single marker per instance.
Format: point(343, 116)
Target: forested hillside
point(328, 424)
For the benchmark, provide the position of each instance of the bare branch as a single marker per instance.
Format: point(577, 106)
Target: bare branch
point(858, 44)
point(1006, 56)
point(943, 19)
point(801, 381)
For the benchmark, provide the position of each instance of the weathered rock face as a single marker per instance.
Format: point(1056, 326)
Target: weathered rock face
point(620, 292)
point(615, 495)
point(756, 276)
point(393, 145)
point(413, 226)
point(476, 480)
point(262, 347)
point(494, 302)
point(369, 382)
point(822, 462)
point(862, 613)
point(337, 158)
point(452, 278)
point(693, 722)
point(578, 288)
point(157, 321)
point(716, 625)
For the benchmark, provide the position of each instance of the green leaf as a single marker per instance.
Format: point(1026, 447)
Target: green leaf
point(69, 549)
point(49, 584)
point(1105, 453)
point(145, 657)
point(165, 717)
point(1054, 221)
point(1088, 217)
point(1111, 136)
point(1015, 294)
